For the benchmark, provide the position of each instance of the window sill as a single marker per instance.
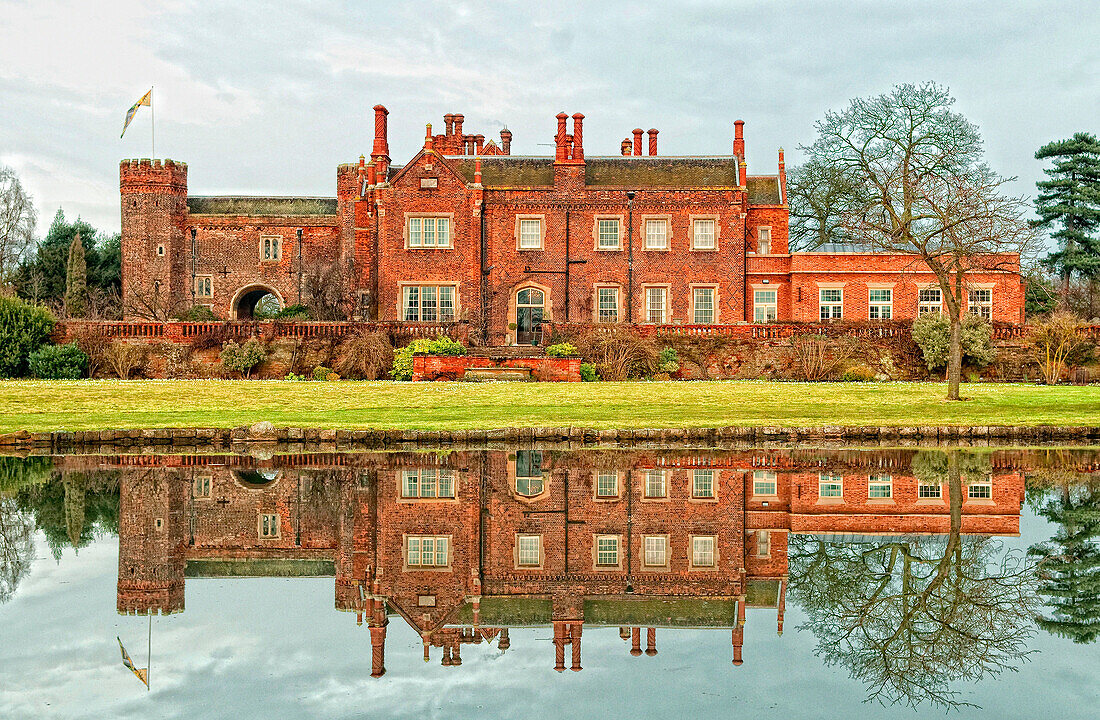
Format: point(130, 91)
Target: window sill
point(614, 249)
point(695, 249)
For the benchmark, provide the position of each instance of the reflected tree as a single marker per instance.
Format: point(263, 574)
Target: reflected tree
point(16, 546)
point(911, 616)
point(1069, 563)
point(73, 508)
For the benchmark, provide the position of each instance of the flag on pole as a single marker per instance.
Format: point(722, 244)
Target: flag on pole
point(142, 673)
point(146, 100)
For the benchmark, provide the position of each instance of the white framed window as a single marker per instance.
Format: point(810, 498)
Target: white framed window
point(656, 305)
point(703, 234)
point(201, 486)
point(764, 483)
point(529, 479)
point(702, 551)
point(607, 551)
point(765, 306)
point(763, 543)
point(428, 303)
point(656, 234)
point(830, 485)
point(656, 550)
point(703, 305)
point(204, 286)
point(880, 487)
point(429, 232)
point(607, 234)
point(929, 300)
point(656, 486)
point(428, 483)
point(831, 303)
point(607, 484)
point(271, 248)
point(530, 233)
point(929, 490)
point(268, 525)
point(702, 484)
point(880, 303)
point(607, 304)
point(763, 240)
point(980, 302)
point(529, 550)
point(980, 490)
point(425, 551)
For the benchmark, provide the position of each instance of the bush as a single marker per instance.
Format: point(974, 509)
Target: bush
point(932, 333)
point(365, 356)
point(668, 361)
point(292, 376)
point(243, 358)
point(1058, 343)
point(588, 372)
point(94, 344)
point(292, 312)
point(23, 329)
point(321, 372)
point(818, 355)
point(198, 313)
point(403, 358)
point(58, 362)
point(858, 373)
point(618, 353)
point(123, 358)
point(562, 349)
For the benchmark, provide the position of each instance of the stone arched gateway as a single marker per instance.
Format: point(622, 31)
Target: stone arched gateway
point(243, 306)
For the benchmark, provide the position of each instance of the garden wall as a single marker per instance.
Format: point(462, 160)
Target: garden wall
point(432, 367)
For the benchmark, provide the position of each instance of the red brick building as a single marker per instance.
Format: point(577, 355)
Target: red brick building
point(466, 232)
point(465, 545)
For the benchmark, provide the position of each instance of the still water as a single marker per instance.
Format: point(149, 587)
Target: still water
point(787, 583)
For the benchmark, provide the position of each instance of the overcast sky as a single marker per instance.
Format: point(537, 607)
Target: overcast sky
point(265, 100)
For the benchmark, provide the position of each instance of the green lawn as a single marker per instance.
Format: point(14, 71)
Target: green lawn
point(101, 404)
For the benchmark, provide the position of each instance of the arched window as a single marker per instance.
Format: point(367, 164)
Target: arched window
point(530, 305)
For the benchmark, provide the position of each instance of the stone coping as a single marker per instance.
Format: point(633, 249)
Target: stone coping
point(301, 439)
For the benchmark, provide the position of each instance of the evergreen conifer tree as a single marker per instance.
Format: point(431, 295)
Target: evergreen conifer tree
point(76, 280)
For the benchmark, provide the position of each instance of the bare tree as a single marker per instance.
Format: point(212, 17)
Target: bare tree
point(323, 292)
point(818, 194)
point(148, 302)
point(18, 219)
point(922, 190)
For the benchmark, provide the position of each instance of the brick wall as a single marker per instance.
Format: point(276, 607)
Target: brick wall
point(432, 367)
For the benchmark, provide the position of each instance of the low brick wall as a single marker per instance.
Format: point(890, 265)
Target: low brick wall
point(181, 332)
point(434, 367)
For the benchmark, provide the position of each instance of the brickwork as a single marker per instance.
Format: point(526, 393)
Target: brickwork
point(431, 367)
point(485, 195)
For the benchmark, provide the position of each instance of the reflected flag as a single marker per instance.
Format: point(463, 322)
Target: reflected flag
point(146, 100)
point(142, 673)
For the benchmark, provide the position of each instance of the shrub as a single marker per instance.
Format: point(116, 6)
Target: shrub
point(818, 355)
point(618, 353)
point(292, 376)
point(1057, 343)
point(403, 358)
point(858, 373)
point(321, 372)
point(560, 350)
point(932, 334)
point(668, 361)
point(123, 358)
point(58, 362)
point(23, 329)
point(588, 372)
point(217, 337)
point(94, 344)
point(292, 312)
point(243, 358)
point(365, 356)
point(198, 313)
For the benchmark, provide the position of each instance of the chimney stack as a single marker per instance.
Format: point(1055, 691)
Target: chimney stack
point(625, 148)
point(477, 171)
point(653, 141)
point(743, 174)
point(449, 123)
point(739, 138)
point(782, 178)
point(575, 641)
point(578, 143)
point(378, 651)
point(560, 139)
point(480, 143)
point(458, 118)
point(428, 137)
point(638, 141)
point(381, 143)
point(651, 641)
point(636, 641)
point(506, 141)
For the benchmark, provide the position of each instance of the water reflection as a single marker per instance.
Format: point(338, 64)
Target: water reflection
point(893, 555)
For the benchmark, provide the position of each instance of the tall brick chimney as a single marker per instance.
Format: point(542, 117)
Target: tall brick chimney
point(653, 141)
point(381, 143)
point(625, 147)
point(458, 118)
point(739, 138)
point(635, 641)
point(743, 174)
point(506, 141)
point(782, 178)
point(449, 123)
point(651, 641)
point(479, 143)
point(561, 153)
point(638, 141)
point(428, 136)
point(578, 143)
point(378, 651)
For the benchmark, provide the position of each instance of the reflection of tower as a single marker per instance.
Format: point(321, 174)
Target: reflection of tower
point(151, 541)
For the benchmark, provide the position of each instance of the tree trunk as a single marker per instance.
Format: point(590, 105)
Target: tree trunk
point(954, 359)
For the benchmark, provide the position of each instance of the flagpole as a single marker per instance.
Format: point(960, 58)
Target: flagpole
point(149, 656)
point(153, 134)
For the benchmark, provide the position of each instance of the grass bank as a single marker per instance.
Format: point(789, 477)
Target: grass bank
point(106, 404)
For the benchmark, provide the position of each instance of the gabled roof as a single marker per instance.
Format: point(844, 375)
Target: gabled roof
point(263, 206)
point(444, 161)
point(764, 190)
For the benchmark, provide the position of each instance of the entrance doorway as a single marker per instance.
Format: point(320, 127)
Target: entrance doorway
point(255, 302)
point(530, 305)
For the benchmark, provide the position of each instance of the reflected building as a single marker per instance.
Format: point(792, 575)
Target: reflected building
point(466, 545)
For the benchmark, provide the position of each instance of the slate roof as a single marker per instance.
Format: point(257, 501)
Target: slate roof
point(764, 190)
point(507, 171)
point(261, 206)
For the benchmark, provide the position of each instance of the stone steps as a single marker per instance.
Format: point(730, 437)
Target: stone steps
point(508, 351)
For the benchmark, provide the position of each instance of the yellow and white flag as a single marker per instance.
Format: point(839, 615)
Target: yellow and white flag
point(146, 100)
point(142, 673)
